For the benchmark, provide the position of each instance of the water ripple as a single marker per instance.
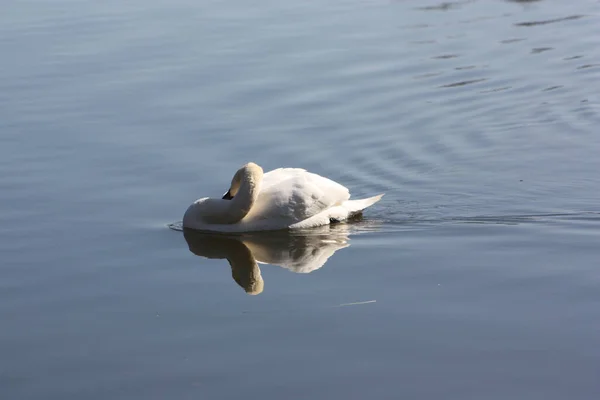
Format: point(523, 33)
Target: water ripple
point(549, 21)
point(463, 83)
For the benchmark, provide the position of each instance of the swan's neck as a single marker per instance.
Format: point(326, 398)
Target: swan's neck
point(244, 199)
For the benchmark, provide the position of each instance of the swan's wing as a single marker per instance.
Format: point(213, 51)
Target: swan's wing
point(279, 175)
point(292, 194)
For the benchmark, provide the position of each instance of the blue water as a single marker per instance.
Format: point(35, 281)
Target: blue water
point(475, 277)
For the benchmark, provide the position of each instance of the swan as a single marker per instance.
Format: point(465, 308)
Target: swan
point(285, 198)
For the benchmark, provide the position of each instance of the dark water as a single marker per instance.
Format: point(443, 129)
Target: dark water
point(476, 277)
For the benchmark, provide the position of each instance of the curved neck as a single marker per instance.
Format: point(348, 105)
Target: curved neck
point(244, 199)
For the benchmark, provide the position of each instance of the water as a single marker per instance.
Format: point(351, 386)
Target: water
point(475, 277)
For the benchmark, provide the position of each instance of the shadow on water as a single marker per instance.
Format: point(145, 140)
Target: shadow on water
point(302, 251)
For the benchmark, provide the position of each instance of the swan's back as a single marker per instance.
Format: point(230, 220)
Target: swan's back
point(291, 195)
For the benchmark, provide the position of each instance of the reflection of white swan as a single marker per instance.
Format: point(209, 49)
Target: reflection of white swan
point(298, 251)
point(280, 199)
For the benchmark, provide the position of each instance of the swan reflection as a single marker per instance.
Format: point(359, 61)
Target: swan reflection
point(298, 251)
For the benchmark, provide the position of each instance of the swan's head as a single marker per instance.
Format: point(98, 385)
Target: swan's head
point(251, 173)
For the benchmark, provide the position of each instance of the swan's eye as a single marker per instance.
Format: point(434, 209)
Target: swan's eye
point(228, 195)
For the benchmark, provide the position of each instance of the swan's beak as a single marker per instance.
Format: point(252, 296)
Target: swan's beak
point(228, 195)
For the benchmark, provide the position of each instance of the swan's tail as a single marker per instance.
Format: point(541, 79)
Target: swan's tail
point(355, 207)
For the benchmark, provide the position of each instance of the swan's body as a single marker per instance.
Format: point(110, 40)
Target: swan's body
point(285, 198)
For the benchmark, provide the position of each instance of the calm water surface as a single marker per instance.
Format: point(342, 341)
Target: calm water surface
point(476, 277)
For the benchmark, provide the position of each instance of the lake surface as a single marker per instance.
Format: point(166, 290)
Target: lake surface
point(476, 277)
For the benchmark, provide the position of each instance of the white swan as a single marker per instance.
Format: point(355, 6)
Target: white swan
point(285, 198)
